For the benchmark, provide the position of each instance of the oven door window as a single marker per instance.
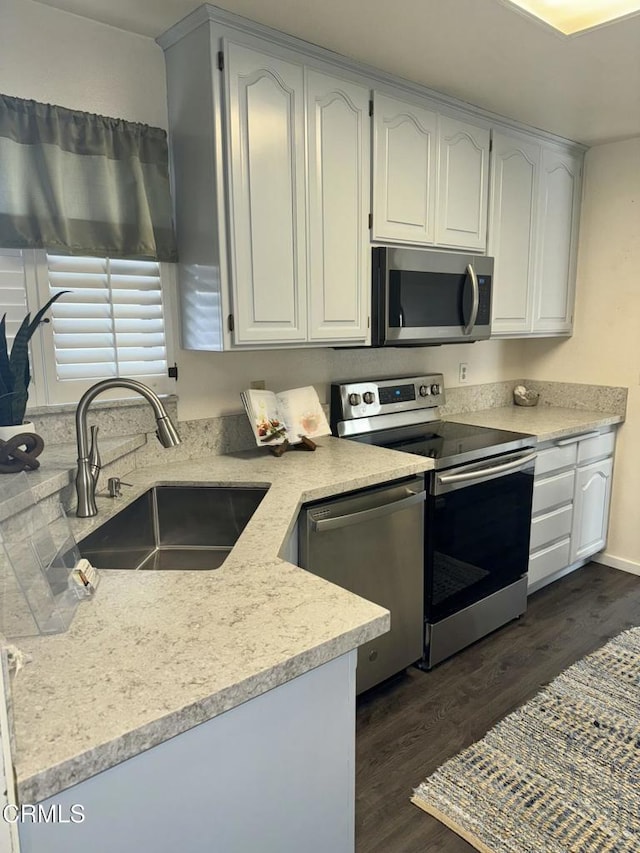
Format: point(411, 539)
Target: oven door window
point(477, 542)
point(423, 300)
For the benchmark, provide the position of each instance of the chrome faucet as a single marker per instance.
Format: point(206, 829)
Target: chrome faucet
point(89, 463)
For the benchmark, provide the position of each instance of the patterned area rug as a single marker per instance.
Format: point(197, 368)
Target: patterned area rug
point(559, 775)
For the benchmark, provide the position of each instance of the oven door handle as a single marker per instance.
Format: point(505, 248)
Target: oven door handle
point(481, 474)
point(323, 524)
point(476, 300)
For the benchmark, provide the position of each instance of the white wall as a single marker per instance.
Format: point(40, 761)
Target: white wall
point(212, 381)
point(63, 59)
point(605, 347)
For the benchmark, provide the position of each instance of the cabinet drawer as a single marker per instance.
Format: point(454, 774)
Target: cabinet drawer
point(550, 526)
point(553, 491)
point(555, 458)
point(549, 560)
point(596, 448)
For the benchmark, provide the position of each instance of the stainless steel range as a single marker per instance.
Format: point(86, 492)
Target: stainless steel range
point(478, 507)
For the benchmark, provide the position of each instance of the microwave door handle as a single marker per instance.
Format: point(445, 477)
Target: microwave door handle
point(476, 300)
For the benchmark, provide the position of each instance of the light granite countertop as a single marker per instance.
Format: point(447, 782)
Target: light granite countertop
point(545, 422)
point(156, 653)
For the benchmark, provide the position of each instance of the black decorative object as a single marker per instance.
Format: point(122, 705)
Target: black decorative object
point(19, 453)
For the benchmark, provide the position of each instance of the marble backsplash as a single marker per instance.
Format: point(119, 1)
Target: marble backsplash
point(113, 417)
point(595, 398)
point(231, 433)
point(569, 395)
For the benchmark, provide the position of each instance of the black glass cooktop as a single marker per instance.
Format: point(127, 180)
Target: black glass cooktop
point(449, 443)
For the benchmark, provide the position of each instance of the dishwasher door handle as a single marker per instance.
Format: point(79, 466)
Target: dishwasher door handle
point(323, 524)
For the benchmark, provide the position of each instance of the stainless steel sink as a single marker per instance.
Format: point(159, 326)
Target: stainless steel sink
point(173, 527)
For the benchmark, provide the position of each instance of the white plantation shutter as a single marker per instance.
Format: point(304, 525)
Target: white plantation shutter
point(13, 299)
point(111, 324)
point(18, 291)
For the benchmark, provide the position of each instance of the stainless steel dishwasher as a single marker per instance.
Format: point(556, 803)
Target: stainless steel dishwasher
point(372, 543)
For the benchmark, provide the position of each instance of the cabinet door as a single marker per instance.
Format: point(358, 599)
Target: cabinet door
point(558, 214)
point(591, 509)
point(404, 168)
point(463, 183)
point(265, 113)
point(338, 198)
point(512, 209)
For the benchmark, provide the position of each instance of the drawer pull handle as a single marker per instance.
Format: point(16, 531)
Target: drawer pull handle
point(574, 439)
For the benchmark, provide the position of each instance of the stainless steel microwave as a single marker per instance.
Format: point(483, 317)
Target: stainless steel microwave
point(422, 297)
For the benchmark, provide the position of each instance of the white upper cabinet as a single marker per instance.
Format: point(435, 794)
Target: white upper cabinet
point(463, 184)
point(512, 220)
point(558, 215)
point(282, 179)
point(299, 167)
point(533, 226)
point(404, 155)
point(338, 135)
point(430, 177)
point(265, 102)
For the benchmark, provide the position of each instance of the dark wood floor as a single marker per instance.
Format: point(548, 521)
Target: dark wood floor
point(407, 728)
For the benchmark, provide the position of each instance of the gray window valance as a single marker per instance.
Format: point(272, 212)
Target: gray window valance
point(83, 184)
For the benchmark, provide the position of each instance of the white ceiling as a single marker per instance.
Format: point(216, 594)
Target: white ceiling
point(584, 87)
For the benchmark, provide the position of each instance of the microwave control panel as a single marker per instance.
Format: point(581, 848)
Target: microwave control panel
point(484, 300)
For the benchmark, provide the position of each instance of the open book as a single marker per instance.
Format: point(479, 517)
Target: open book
point(288, 415)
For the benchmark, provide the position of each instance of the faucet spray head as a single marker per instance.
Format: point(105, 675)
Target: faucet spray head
point(167, 433)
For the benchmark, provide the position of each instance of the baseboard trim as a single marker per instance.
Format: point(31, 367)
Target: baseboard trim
point(614, 562)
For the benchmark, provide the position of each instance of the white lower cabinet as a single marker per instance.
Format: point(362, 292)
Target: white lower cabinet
point(547, 562)
point(570, 511)
point(551, 526)
point(591, 508)
point(275, 774)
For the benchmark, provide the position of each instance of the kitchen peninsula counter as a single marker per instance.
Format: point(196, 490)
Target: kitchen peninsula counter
point(156, 653)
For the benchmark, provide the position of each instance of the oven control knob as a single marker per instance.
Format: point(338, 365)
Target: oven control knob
point(369, 397)
point(424, 390)
point(354, 399)
point(435, 389)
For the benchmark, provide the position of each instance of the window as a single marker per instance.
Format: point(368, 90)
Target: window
point(111, 324)
point(12, 289)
